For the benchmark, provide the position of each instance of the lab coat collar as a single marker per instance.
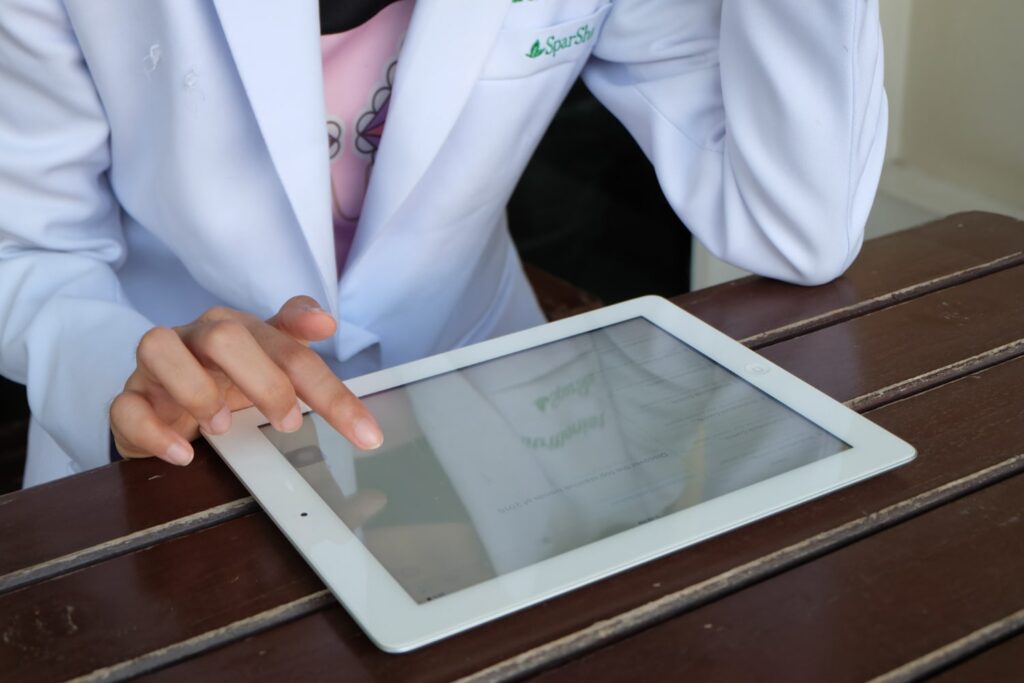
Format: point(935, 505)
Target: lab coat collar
point(441, 59)
point(276, 48)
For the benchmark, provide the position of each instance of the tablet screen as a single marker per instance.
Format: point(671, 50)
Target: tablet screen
point(499, 465)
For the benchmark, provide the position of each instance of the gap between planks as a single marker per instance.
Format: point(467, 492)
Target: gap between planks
point(957, 651)
point(606, 632)
point(934, 378)
point(839, 315)
point(242, 628)
point(128, 543)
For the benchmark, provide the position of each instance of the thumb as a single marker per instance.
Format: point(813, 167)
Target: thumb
point(302, 318)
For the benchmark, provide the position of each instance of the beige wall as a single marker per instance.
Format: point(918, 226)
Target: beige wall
point(963, 108)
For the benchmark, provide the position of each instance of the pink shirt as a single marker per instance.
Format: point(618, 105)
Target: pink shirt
point(359, 67)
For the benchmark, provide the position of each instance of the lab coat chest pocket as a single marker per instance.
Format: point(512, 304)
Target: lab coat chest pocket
point(522, 51)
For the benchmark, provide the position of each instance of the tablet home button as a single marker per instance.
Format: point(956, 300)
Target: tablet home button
point(756, 369)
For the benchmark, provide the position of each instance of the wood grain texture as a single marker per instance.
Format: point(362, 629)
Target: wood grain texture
point(140, 602)
point(103, 506)
point(127, 543)
point(200, 644)
point(916, 344)
point(954, 447)
point(849, 616)
point(890, 269)
point(61, 526)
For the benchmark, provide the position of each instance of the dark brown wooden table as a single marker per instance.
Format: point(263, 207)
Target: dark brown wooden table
point(176, 575)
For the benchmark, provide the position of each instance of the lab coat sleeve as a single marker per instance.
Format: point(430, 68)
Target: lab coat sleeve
point(765, 120)
point(66, 330)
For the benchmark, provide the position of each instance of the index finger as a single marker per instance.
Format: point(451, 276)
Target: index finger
point(322, 390)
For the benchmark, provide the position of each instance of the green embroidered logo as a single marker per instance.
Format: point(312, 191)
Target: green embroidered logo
point(552, 46)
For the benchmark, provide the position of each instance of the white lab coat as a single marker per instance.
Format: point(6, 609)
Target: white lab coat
point(161, 157)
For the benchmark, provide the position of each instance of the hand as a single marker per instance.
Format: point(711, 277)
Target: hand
point(194, 376)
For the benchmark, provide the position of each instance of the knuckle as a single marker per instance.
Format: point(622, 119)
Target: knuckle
point(220, 333)
point(124, 449)
point(128, 416)
point(341, 405)
point(224, 313)
point(205, 399)
point(280, 394)
point(297, 360)
point(217, 313)
point(155, 342)
point(119, 408)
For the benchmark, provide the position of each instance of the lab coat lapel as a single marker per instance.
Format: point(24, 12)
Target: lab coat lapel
point(443, 54)
point(276, 49)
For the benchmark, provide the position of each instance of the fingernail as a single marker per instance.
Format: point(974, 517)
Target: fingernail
point(221, 422)
point(179, 453)
point(292, 422)
point(313, 309)
point(367, 433)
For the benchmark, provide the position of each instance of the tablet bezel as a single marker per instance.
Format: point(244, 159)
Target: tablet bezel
point(396, 623)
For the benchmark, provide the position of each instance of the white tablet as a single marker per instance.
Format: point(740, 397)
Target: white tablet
point(526, 466)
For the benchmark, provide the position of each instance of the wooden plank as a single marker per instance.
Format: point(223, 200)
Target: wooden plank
point(909, 347)
point(72, 522)
point(890, 269)
point(1002, 662)
point(48, 530)
point(960, 451)
point(137, 603)
point(857, 613)
point(961, 648)
point(557, 297)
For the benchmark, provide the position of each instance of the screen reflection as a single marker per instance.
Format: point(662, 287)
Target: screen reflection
point(499, 465)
